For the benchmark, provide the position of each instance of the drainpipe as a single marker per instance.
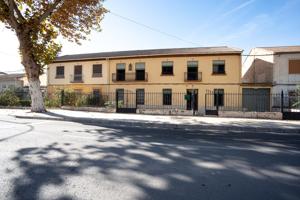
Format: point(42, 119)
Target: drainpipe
point(108, 78)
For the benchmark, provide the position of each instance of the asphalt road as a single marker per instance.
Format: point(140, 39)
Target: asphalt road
point(67, 160)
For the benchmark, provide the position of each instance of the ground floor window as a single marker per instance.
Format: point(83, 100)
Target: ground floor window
point(167, 96)
point(218, 97)
point(140, 96)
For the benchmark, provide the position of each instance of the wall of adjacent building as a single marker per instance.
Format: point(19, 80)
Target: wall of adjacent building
point(5, 84)
point(258, 67)
point(283, 81)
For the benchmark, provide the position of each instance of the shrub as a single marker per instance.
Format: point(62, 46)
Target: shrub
point(53, 102)
point(69, 98)
point(25, 103)
point(8, 98)
point(80, 100)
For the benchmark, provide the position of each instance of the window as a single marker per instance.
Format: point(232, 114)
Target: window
point(219, 97)
point(167, 97)
point(294, 66)
point(121, 71)
point(140, 71)
point(60, 72)
point(218, 67)
point(140, 96)
point(192, 70)
point(97, 70)
point(77, 74)
point(167, 68)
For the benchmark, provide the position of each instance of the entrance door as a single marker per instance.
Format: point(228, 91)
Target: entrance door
point(192, 99)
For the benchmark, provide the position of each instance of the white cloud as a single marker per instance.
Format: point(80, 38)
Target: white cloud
point(239, 7)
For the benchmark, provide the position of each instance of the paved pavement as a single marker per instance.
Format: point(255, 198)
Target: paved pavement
point(185, 122)
point(63, 160)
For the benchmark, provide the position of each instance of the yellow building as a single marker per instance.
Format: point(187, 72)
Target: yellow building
point(146, 73)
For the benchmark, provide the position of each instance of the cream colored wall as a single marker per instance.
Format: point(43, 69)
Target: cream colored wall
point(43, 80)
point(230, 82)
point(154, 65)
point(178, 88)
point(87, 70)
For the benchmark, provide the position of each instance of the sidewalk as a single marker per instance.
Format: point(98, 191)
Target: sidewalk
point(185, 122)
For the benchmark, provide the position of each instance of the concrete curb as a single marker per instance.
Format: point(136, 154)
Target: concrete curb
point(163, 126)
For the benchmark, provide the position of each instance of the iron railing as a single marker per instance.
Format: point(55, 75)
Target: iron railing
point(134, 76)
point(251, 102)
point(76, 78)
point(193, 76)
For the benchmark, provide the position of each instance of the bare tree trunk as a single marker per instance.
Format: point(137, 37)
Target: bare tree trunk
point(37, 101)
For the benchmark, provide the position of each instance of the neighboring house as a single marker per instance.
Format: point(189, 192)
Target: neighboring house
point(165, 71)
point(18, 81)
point(276, 67)
point(11, 81)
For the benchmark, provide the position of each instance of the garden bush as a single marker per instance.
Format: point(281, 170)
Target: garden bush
point(9, 98)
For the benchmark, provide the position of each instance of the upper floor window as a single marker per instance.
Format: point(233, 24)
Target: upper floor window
point(140, 71)
point(167, 68)
point(294, 66)
point(219, 67)
point(60, 72)
point(120, 76)
point(97, 70)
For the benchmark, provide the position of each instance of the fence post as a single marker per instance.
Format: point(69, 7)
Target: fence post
point(217, 103)
point(205, 103)
point(282, 101)
point(193, 102)
point(117, 100)
point(62, 97)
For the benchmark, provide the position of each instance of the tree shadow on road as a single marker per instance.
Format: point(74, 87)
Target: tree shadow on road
point(140, 162)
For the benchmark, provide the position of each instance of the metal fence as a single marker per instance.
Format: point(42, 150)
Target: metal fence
point(218, 101)
point(126, 100)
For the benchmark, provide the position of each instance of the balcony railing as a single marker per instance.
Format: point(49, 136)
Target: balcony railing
point(193, 76)
point(76, 78)
point(135, 76)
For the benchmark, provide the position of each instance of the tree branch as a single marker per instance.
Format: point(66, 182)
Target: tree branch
point(15, 7)
point(4, 6)
point(49, 11)
point(11, 19)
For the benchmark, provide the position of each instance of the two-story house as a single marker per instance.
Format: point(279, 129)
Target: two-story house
point(161, 71)
point(277, 67)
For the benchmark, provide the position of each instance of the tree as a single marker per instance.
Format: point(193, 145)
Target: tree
point(37, 25)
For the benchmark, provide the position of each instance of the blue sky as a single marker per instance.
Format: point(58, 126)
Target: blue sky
point(239, 23)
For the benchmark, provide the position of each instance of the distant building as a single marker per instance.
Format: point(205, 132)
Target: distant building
point(11, 81)
point(278, 67)
point(18, 80)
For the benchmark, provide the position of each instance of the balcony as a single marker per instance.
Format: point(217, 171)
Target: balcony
point(192, 76)
point(76, 78)
point(135, 76)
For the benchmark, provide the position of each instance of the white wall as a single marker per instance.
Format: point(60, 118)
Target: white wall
point(5, 84)
point(282, 79)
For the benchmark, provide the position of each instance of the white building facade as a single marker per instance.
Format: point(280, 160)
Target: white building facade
point(278, 66)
